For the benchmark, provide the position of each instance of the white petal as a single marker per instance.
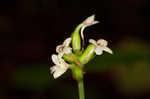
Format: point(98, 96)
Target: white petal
point(92, 41)
point(61, 61)
point(55, 59)
point(59, 71)
point(67, 50)
point(53, 69)
point(95, 22)
point(60, 54)
point(67, 41)
point(59, 48)
point(102, 42)
point(90, 21)
point(108, 50)
point(98, 51)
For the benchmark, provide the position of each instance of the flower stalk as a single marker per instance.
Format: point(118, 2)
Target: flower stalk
point(81, 89)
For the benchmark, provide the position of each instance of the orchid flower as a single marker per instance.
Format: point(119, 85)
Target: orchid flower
point(60, 66)
point(100, 46)
point(90, 21)
point(86, 23)
point(64, 48)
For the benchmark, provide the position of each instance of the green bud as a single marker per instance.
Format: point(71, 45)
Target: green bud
point(77, 72)
point(88, 54)
point(76, 39)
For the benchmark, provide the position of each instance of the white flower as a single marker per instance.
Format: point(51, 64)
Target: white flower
point(100, 46)
point(89, 21)
point(64, 48)
point(60, 66)
point(86, 23)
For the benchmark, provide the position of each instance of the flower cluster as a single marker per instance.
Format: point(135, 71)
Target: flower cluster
point(60, 65)
point(75, 57)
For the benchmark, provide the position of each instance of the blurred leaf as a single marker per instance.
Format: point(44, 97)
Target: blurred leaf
point(32, 76)
point(134, 80)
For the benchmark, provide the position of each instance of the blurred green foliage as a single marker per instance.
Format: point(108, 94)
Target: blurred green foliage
point(129, 66)
point(32, 76)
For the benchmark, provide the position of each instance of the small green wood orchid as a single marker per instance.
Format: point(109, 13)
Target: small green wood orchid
point(75, 57)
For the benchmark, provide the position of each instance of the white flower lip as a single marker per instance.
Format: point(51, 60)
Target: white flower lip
point(64, 48)
point(60, 66)
point(100, 46)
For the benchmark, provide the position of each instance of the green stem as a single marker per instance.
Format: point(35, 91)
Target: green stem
point(81, 89)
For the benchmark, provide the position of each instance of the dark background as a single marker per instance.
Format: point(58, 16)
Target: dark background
point(31, 29)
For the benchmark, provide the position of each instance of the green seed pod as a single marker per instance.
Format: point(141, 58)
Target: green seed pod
point(88, 54)
point(76, 39)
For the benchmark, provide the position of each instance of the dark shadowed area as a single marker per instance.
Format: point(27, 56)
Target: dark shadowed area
point(30, 30)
